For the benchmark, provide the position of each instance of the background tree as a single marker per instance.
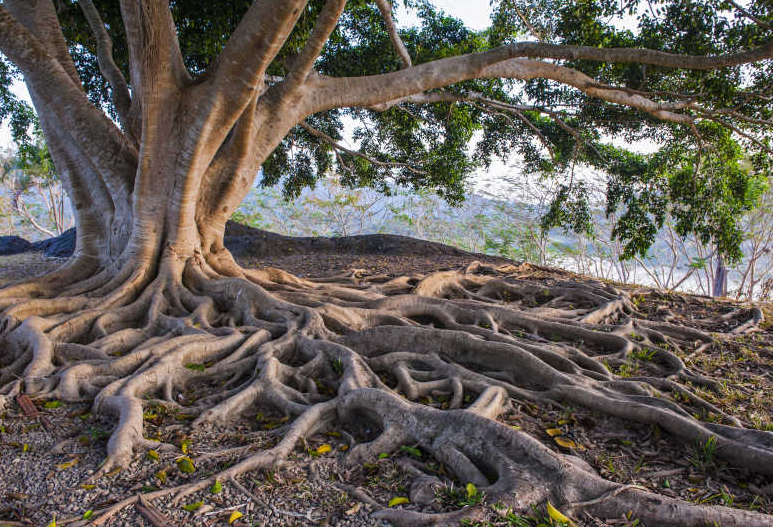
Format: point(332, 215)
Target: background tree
point(36, 193)
point(199, 96)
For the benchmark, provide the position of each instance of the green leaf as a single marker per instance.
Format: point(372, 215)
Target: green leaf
point(152, 454)
point(383, 455)
point(415, 452)
point(197, 367)
point(193, 506)
point(185, 464)
point(88, 514)
point(216, 488)
point(50, 405)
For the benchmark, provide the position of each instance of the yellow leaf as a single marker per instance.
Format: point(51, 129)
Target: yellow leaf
point(161, 475)
point(399, 500)
point(88, 487)
point(235, 515)
point(552, 432)
point(556, 515)
point(472, 490)
point(71, 463)
point(565, 442)
point(53, 523)
point(333, 434)
point(184, 445)
point(324, 449)
point(152, 454)
point(113, 472)
point(25, 447)
point(344, 448)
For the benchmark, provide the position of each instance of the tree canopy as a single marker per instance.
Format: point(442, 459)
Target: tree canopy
point(436, 140)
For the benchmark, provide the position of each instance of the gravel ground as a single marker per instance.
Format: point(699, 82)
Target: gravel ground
point(45, 463)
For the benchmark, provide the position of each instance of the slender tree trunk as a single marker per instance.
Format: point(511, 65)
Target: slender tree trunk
point(719, 285)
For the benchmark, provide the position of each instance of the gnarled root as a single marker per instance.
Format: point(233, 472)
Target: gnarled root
point(478, 336)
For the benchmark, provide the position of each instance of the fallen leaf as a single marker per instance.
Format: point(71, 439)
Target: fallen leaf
point(152, 454)
point(17, 496)
point(69, 464)
point(184, 445)
point(88, 514)
point(354, 509)
point(557, 515)
point(552, 432)
point(27, 406)
point(235, 515)
point(114, 472)
point(186, 465)
point(324, 448)
point(161, 475)
point(50, 405)
point(196, 505)
point(88, 487)
point(53, 522)
point(566, 443)
point(216, 488)
point(472, 490)
point(399, 500)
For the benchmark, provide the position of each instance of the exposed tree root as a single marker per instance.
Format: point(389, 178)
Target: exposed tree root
point(478, 336)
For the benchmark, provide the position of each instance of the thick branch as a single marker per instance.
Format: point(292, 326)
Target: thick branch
point(253, 46)
point(377, 90)
point(386, 13)
point(326, 23)
point(120, 90)
point(372, 90)
point(96, 134)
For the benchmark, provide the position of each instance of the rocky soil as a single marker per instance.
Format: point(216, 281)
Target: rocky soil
point(46, 461)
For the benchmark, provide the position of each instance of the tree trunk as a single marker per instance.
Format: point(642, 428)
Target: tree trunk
point(719, 286)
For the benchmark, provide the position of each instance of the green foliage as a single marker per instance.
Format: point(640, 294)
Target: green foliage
point(705, 180)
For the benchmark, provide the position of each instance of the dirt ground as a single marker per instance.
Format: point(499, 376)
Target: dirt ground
point(45, 461)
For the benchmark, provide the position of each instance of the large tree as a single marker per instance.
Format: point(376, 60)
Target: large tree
point(159, 116)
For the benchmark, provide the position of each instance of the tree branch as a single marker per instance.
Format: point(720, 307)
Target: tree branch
point(96, 134)
point(376, 90)
point(340, 148)
point(368, 91)
point(750, 16)
point(303, 64)
point(252, 47)
point(107, 66)
point(386, 13)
